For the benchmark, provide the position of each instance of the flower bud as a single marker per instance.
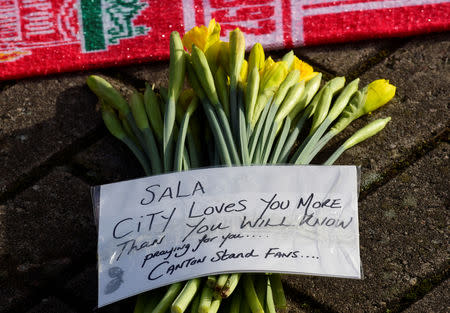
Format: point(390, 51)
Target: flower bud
point(268, 63)
point(112, 122)
point(105, 91)
point(138, 111)
point(202, 70)
point(289, 59)
point(291, 79)
point(244, 72)
point(220, 80)
point(256, 58)
point(224, 56)
point(177, 67)
point(152, 108)
point(212, 55)
point(237, 52)
point(379, 92)
point(366, 132)
point(273, 76)
point(293, 97)
point(251, 92)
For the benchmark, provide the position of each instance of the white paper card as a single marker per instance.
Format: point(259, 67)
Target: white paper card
point(162, 229)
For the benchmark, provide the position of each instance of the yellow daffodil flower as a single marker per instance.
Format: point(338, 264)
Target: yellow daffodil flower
point(244, 72)
point(203, 37)
point(379, 92)
point(273, 75)
point(306, 70)
point(256, 58)
point(267, 64)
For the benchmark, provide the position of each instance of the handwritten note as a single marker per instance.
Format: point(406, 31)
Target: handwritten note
point(162, 229)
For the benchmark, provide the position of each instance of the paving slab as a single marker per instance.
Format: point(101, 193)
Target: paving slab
point(51, 305)
point(420, 71)
point(104, 161)
point(40, 117)
point(403, 237)
point(340, 59)
point(14, 296)
point(45, 229)
point(437, 301)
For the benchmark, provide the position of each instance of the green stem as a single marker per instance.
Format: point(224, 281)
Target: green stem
point(308, 144)
point(152, 303)
point(236, 302)
point(222, 117)
point(335, 155)
point(178, 161)
point(186, 160)
point(250, 295)
point(261, 287)
point(138, 154)
point(193, 153)
point(221, 281)
point(294, 134)
point(169, 121)
point(195, 303)
point(217, 133)
point(135, 130)
point(243, 140)
point(186, 295)
point(319, 145)
point(205, 299)
point(257, 130)
point(268, 125)
point(141, 301)
point(215, 304)
point(281, 140)
point(278, 292)
point(269, 143)
point(270, 305)
point(230, 285)
point(152, 149)
point(244, 307)
point(168, 298)
point(211, 281)
point(234, 111)
point(257, 155)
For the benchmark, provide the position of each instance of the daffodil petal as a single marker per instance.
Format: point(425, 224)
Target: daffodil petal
point(379, 92)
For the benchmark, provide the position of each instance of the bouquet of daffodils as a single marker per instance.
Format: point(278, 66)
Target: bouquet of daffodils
point(256, 111)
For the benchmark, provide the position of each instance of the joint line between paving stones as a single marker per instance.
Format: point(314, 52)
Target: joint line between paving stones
point(60, 158)
point(80, 171)
point(420, 290)
point(398, 167)
point(373, 60)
